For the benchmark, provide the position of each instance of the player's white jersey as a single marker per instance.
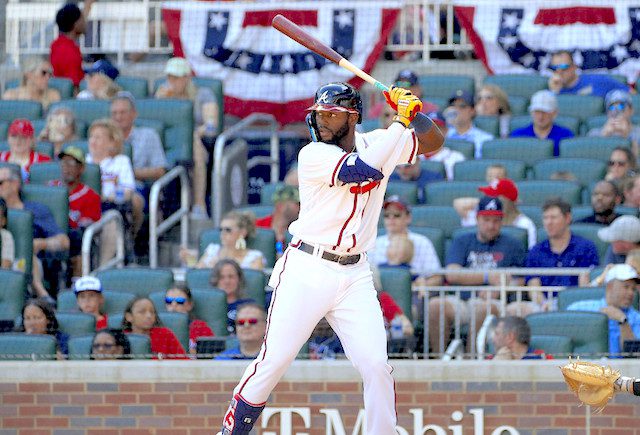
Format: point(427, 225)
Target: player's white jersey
point(344, 222)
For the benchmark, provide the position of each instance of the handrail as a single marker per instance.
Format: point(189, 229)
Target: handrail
point(155, 229)
point(90, 232)
point(233, 131)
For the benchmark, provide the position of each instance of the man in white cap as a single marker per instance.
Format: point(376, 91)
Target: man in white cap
point(624, 320)
point(543, 110)
point(88, 291)
point(623, 235)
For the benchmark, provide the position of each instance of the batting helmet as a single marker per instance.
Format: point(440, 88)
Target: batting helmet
point(339, 97)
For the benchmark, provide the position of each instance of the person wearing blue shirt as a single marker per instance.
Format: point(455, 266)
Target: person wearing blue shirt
point(561, 249)
point(251, 325)
point(414, 173)
point(543, 110)
point(459, 116)
point(624, 320)
point(566, 80)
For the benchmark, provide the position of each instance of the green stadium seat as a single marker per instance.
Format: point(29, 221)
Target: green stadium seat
point(529, 150)
point(435, 235)
point(444, 192)
point(523, 85)
point(574, 294)
point(63, 85)
point(137, 280)
point(179, 324)
point(580, 212)
point(20, 225)
point(585, 170)
point(80, 347)
point(537, 192)
point(86, 110)
point(580, 106)
point(138, 86)
point(14, 289)
point(259, 210)
point(444, 86)
point(211, 306)
point(533, 212)
point(114, 302)
point(437, 216)
point(517, 233)
point(591, 147)
point(397, 282)
point(198, 278)
point(43, 173)
point(557, 346)
point(408, 191)
point(20, 346)
point(570, 122)
point(626, 210)
point(255, 283)
point(54, 197)
point(462, 146)
point(4, 127)
point(12, 109)
point(264, 241)
point(475, 170)
point(589, 332)
point(368, 125)
point(76, 323)
point(490, 124)
point(518, 104)
point(157, 126)
point(433, 166)
point(593, 122)
point(267, 191)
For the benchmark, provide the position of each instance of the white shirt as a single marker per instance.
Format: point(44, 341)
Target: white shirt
point(424, 261)
point(449, 158)
point(330, 214)
point(115, 171)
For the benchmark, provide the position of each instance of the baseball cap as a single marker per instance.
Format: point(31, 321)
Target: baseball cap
point(21, 127)
point(286, 193)
point(437, 118)
point(87, 283)
point(73, 151)
point(105, 67)
point(397, 201)
point(177, 66)
point(544, 101)
point(489, 206)
point(465, 96)
point(406, 78)
point(617, 96)
point(503, 187)
point(621, 272)
point(626, 228)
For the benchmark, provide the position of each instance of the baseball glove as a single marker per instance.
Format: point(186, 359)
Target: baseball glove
point(593, 384)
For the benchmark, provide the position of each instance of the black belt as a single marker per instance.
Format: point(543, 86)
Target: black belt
point(340, 259)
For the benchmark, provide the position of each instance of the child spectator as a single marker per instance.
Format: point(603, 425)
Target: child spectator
point(36, 72)
point(251, 326)
point(179, 300)
point(7, 256)
point(493, 101)
point(21, 147)
point(88, 291)
point(38, 317)
point(110, 344)
point(100, 81)
point(59, 129)
point(228, 277)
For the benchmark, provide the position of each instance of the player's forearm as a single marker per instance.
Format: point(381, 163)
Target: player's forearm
point(379, 153)
point(430, 138)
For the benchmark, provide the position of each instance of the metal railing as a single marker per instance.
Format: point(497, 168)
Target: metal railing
point(157, 229)
point(95, 228)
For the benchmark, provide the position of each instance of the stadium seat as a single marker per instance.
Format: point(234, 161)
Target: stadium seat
point(80, 347)
point(433, 166)
point(397, 282)
point(437, 216)
point(4, 127)
point(179, 324)
point(157, 126)
point(529, 150)
point(626, 210)
point(580, 212)
point(20, 225)
point(138, 86)
point(408, 191)
point(137, 280)
point(523, 85)
point(591, 147)
point(12, 109)
point(593, 122)
point(463, 146)
point(445, 85)
point(14, 290)
point(267, 191)
point(475, 170)
point(435, 235)
point(518, 105)
point(211, 306)
point(43, 173)
point(20, 346)
point(517, 233)
point(264, 241)
point(76, 323)
point(63, 85)
point(589, 332)
point(54, 197)
point(490, 124)
point(86, 110)
point(558, 346)
point(533, 212)
point(580, 106)
point(114, 302)
point(585, 170)
point(537, 192)
point(444, 192)
point(574, 294)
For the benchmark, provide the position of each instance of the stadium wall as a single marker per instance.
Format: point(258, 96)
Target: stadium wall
point(314, 398)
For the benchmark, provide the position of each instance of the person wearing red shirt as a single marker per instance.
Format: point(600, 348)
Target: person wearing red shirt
point(180, 300)
point(21, 143)
point(140, 317)
point(88, 291)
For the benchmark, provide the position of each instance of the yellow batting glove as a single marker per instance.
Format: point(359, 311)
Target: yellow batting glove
point(408, 107)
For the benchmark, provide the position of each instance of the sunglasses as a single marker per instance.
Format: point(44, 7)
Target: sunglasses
point(179, 300)
point(226, 229)
point(485, 97)
point(560, 67)
point(616, 163)
point(617, 107)
point(390, 215)
point(107, 346)
point(251, 321)
point(460, 106)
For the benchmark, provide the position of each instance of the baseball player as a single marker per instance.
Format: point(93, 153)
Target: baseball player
point(324, 272)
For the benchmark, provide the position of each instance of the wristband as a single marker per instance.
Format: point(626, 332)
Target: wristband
point(421, 123)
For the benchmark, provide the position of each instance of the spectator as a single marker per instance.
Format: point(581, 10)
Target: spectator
point(459, 116)
point(38, 317)
point(179, 300)
point(512, 340)
point(140, 317)
point(604, 199)
point(561, 249)
point(414, 173)
point(624, 321)
point(101, 83)
point(179, 85)
point(397, 218)
point(621, 165)
point(506, 190)
point(65, 55)
point(493, 101)
point(47, 236)
point(623, 235)
point(446, 155)
point(286, 207)
point(84, 202)
point(227, 275)
point(631, 191)
point(566, 80)
point(60, 128)
point(7, 255)
point(485, 250)
point(619, 123)
point(543, 110)
point(35, 84)
point(88, 291)
point(235, 229)
point(21, 144)
point(324, 343)
point(110, 344)
point(251, 326)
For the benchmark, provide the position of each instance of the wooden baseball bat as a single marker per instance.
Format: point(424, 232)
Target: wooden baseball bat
point(293, 31)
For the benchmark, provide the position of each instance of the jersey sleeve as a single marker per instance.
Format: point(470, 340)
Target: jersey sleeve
point(405, 148)
point(320, 163)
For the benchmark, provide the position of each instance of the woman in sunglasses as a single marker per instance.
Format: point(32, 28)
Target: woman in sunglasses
point(35, 84)
point(179, 300)
point(251, 326)
point(621, 165)
point(493, 101)
point(110, 344)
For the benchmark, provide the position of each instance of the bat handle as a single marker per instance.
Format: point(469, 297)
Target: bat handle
point(380, 86)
